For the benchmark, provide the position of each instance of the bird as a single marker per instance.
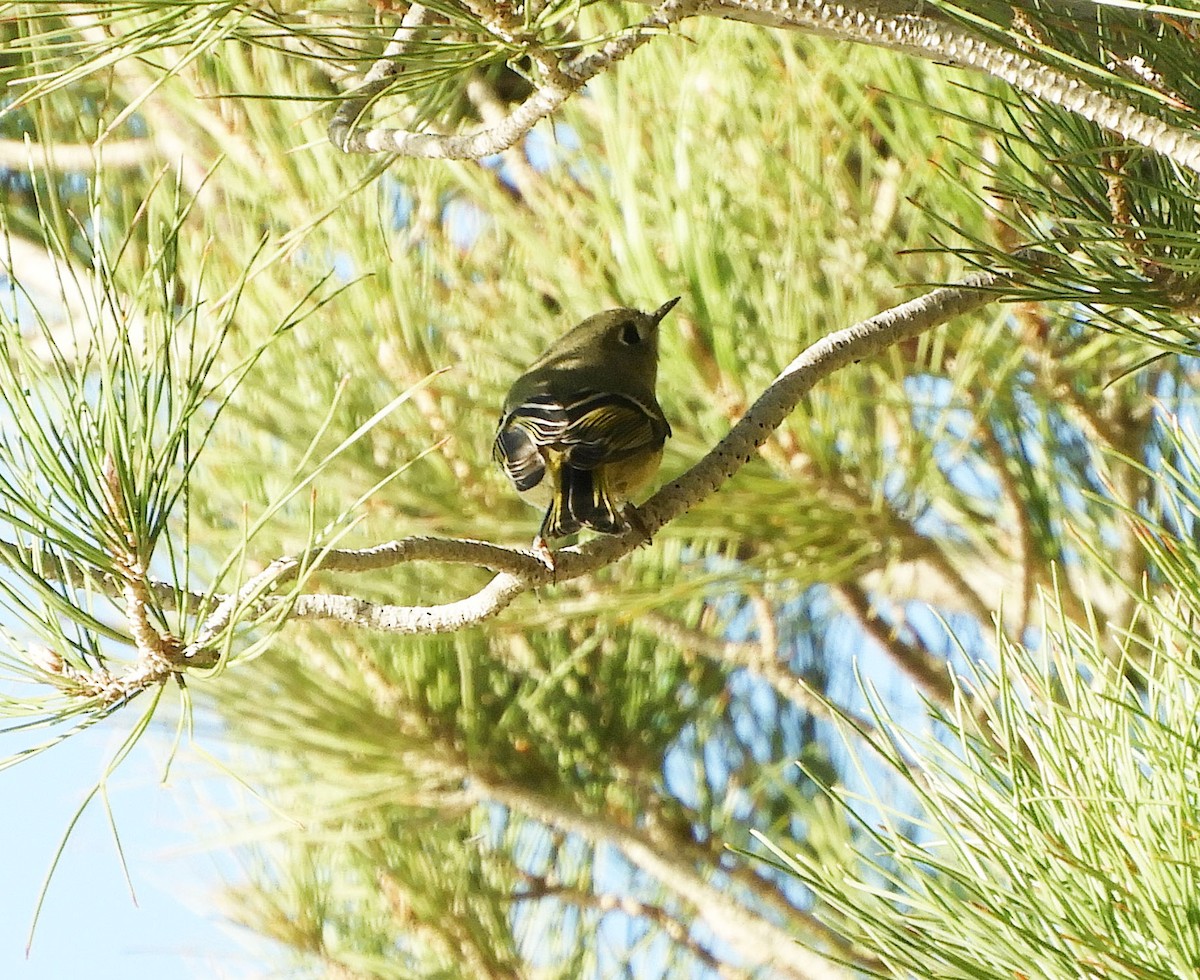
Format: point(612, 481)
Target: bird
point(581, 430)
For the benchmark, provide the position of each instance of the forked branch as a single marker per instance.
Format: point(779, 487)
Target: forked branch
point(562, 80)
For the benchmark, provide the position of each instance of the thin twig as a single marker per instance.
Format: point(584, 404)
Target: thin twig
point(930, 673)
point(342, 127)
point(564, 81)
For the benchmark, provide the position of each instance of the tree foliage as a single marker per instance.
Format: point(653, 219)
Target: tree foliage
point(237, 361)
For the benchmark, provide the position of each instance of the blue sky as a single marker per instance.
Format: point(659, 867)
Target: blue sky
point(89, 921)
point(89, 924)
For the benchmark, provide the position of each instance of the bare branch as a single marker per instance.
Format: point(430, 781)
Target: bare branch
point(493, 598)
point(700, 482)
point(519, 569)
point(821, 359)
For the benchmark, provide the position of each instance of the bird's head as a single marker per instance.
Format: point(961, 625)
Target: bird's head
point(622, 336)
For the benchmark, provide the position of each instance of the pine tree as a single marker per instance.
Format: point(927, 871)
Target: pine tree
point(904, 683)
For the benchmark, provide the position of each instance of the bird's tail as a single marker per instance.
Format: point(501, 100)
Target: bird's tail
point(582, 500)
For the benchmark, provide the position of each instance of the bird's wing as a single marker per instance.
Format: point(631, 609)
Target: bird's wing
point(591, 429)
point(518, 454)
point(537, 422)
point(603, 427)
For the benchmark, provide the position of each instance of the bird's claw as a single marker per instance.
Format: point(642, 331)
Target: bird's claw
point(634, 520)
point(542, 550)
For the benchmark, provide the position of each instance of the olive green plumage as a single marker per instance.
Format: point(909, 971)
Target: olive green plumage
point(582, 429)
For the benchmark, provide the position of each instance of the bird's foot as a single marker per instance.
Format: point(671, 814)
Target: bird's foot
point(542, 550)
point(634, 520)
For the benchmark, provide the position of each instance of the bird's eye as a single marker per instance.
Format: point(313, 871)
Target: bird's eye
point(630, 336)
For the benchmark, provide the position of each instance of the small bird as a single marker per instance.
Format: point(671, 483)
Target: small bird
point(582, 429)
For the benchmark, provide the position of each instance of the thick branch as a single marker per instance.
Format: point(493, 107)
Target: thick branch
point(885, 24)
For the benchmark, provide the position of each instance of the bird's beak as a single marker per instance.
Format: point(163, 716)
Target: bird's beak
point(663, 310)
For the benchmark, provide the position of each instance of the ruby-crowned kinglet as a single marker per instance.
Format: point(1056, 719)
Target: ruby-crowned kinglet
point(582, 429)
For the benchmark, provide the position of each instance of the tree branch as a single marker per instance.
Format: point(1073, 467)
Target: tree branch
point(518, 569)
point(880, 23)
point(889, 25)
point(700, 482)
point(565, 79)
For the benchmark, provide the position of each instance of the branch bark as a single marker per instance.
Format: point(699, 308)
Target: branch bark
point(525, 571)
point(880, 23)
point(520, 570)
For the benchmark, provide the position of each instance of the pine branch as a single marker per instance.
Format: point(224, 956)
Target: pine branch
point(896, 28)
point(561, 80)
point(888, 25)
point(526, 572)
point(522, 570)
point(518, 570)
